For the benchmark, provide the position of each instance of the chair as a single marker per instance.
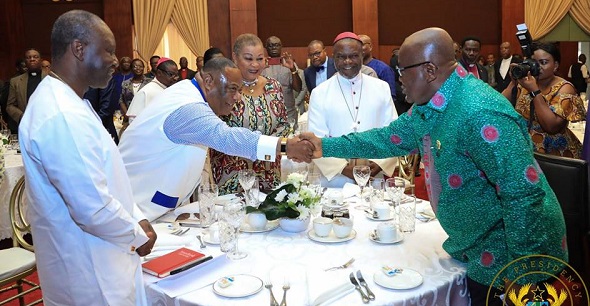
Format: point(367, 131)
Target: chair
point(17, 262)
point(408, 164)
point(568, 178)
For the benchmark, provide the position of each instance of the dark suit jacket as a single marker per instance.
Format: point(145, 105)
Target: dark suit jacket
point(483, 73)
point(189, 75)
point(100, 99)
point(17, 96)
point(502, 83)
point(310, 73)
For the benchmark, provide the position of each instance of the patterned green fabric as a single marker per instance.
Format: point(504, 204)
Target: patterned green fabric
point(483, 181)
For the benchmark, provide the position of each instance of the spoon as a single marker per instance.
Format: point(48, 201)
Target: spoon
point(201, 241)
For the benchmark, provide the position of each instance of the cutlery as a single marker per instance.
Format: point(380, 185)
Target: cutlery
point(372, 213)
point(286, 287)
point(358, 288)
point(180, 232)
point(273, 301)
point(374, 235)
point(201, 241)
point(359, 276)
point(344, 266)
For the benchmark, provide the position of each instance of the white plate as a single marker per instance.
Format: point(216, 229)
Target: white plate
point(243, 285)
point(207, 239)
point(373, 237)
point(370, 216)
point(270, 225)
point(331, 238)
point(221, 200)
point(407, 279)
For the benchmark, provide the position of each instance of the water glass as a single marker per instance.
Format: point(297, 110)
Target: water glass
point(207, 195)
point(395, 187)
point(377, 190)
point(252, 196)
point(232, 216)
point(407, 215)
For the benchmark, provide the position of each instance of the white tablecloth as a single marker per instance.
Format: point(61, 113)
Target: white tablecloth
point(278, 255)
point(14, 170)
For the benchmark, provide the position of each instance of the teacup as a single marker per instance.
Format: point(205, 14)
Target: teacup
point(383, 210)
point(214, 232)
point(257, 220)
point(387, 232)
point(342, 227)
point(336, 198)
point(322, 226)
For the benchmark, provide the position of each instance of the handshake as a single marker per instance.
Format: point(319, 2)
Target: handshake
point(304, 147)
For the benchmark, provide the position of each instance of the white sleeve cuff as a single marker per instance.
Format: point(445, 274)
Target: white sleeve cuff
point(266, 149)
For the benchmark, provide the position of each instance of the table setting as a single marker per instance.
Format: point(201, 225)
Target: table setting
point(330, 261)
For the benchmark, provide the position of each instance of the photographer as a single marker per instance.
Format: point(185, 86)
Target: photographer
point(552, 101)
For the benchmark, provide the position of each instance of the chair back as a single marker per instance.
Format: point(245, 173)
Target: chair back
point(19, 224)
point(568, 178)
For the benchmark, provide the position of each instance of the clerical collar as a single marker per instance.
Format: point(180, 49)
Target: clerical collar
point(354, 80)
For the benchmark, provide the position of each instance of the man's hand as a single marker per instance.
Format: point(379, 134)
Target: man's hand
point(287, 60)
point(146, 248)
point(299, 150)
point(316, 141)
point(375, 169)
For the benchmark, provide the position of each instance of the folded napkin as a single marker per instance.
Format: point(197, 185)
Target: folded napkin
point(424, 211)
point(330, 166)
point(327, 287)
point(350, 190)
point(166, 239)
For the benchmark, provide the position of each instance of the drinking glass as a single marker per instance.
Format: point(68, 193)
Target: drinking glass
point(377, 194)
point(207, 195)
point(361, 176)
point(407, 215)
point(253, 195)
point(395, 187)
point(232, 216)
point(246, 177)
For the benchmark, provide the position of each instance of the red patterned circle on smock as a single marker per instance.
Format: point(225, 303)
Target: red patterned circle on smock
point(490, 133)
point(487, 259)
point(532, 175)
point(455, 181)
point(395, 139)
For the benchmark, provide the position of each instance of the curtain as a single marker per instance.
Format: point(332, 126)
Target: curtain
point(580, 13)
point(541, 16)
point(173, 46)
point(191, 20)
point(151, 19)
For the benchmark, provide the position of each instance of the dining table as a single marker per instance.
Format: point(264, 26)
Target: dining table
point(299, 262)
point(13, 171)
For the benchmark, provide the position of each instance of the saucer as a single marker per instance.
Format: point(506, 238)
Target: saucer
point(373, 237)
point(270, 225)
point(407, 279)
point(207, 239)
point(331, 238)
point(370, 216)
point(242, 285)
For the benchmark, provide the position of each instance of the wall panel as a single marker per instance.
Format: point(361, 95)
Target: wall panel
point(118, 15)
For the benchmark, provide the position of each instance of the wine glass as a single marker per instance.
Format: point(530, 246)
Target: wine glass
point(247, 177)
point(232, 216)
point(395, 187)
point(361, 176)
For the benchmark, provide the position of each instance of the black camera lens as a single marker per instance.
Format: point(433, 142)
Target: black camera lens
point(521, 70)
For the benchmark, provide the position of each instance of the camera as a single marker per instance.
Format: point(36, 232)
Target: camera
point(529, 64)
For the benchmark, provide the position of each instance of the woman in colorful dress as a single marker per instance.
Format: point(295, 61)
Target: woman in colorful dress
point(130, 87)
point(555, 103)
point(260, 109)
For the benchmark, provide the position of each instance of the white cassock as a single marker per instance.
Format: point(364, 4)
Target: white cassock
point(144, 97)
point(83, 218)
point(341, 106)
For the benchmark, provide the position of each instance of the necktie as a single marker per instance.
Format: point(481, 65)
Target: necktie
point(319, 69)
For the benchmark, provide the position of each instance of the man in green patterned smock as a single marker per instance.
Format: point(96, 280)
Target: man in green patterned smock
point(484, 184)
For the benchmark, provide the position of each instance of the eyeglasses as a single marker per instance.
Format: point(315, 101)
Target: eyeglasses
point(170, 74)
point(401, 69)
point(315, 54)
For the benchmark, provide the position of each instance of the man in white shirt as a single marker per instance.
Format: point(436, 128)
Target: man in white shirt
point(88, 232)
point(349, 102)
point(502, 67)
point(321, 68)
point(167, 143)
point(166, 75)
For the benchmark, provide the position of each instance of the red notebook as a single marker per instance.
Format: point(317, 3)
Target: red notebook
point(174, 262)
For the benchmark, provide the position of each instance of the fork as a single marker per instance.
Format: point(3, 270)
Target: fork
point(180, 232)
point(273, 301)
point(344, 266)
point(201, 241)
point(286, 287)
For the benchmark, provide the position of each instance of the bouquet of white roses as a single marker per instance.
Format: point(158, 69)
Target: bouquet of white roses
point(292, 199)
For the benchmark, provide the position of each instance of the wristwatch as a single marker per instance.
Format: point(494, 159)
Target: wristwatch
point(534, 93)
point(283, 146)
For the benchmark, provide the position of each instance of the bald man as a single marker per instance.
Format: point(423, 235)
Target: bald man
point(502, 66)
point(481, 176)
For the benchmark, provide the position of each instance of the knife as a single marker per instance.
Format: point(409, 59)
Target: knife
point(359, 276)
point(358, 288)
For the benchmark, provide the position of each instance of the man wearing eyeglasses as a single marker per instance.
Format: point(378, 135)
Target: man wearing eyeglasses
point(481, 176)
point(321, 68)
point(166, 76)
point(350, 102)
